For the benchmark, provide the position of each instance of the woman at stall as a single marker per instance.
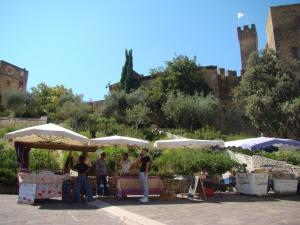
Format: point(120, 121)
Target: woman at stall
point(125, 164)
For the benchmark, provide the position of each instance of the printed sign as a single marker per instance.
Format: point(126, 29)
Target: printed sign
point(26, 193)
point(197, 188)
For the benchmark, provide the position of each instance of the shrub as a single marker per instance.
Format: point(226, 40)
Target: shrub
point(8, 129)
point(189, 161)
point(8, 167)
point(44, 159)
point(241, 150)
point(8, 177)
point(291, 157)
point(114, 156)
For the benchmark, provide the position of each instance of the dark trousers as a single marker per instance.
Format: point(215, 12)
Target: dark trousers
point(101, 185)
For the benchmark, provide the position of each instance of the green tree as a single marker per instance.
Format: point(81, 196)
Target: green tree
point(93, 123)
point(191, 111)
point(291, 111)
point(183, 75)
point(15, 102)
point(267, 92)
point(21, 104)
point(116, 103)
point(52, 99)
point(128, 82)
point(76, 113)
point(138, 115)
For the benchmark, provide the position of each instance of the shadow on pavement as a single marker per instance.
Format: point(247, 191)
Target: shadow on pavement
point(57, 204)
point(218, 198)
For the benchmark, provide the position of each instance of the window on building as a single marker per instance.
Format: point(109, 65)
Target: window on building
point(8, 83)
point(20, 85)
point(295, 53)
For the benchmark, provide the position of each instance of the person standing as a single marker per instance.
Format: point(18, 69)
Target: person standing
point(87, 160)
point(81, 182)
point(101, 173)
point(144, 173)
point(125, 164)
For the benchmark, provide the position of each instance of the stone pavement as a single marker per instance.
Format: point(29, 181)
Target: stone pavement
point(52, 212)
point(227, 209)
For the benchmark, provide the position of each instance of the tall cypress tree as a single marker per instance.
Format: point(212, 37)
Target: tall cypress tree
point(129, 83)
point(124, 71)
point(127, 80)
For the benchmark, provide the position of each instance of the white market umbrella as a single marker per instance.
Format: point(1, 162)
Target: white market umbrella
point(118, 140)
point(48, 133)
point(187, 143)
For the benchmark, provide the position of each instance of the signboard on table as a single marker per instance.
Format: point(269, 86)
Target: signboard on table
point(197, 188)
point(26, 193)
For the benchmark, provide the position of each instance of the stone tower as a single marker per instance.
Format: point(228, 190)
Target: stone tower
point(248, 42)
point(12, 78)
point(283, 32)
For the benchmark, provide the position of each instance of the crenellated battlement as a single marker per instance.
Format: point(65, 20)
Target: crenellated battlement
point(246, 32)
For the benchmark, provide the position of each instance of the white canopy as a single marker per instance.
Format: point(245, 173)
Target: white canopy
point(48, 133)
point(262, 142)
point(118, 140)
point(187, 143)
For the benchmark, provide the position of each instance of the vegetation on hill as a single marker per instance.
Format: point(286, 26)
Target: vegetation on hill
point(270, 95)
point(177, 97)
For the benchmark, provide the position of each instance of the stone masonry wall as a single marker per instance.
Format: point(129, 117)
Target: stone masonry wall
point(26, 122)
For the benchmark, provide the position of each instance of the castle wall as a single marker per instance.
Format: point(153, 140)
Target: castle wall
point(222, 83)
point(24, 122)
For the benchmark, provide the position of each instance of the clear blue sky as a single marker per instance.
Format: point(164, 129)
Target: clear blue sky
point(81, 44)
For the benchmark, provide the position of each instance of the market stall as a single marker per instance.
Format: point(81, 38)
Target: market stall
point(129, 185)
point(47, 184)
point(266, 174)
point(195, 144)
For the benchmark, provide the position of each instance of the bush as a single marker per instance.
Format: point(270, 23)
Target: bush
point(8, 129)
point(8, 177)
point(8, 167)
point(241, 150)
point(189, 161)
point(291, 157)
point(44, 159)
point(114, 156)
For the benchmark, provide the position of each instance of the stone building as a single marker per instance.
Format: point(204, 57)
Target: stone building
point(12, 78)
point(283, 35)
point(283, 31)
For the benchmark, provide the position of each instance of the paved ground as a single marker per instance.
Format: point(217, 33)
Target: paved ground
point(227, 209)
point(51, 212)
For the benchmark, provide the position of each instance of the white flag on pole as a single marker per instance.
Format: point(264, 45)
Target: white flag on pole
point(240, 15)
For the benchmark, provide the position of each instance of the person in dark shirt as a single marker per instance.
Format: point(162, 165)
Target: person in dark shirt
point(81, 181)
point(144, 172)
